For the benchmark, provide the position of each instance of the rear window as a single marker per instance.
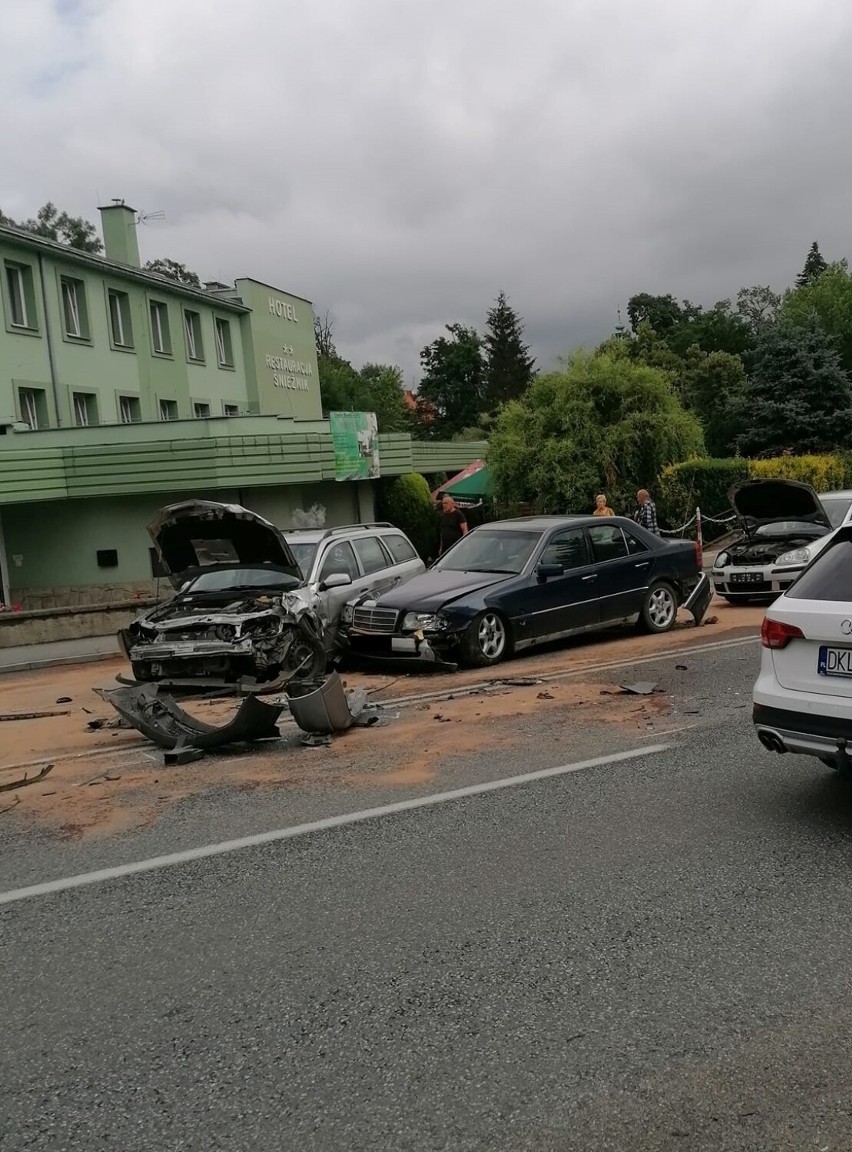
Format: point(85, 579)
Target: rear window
point(399, 548)
point(371, 554)
point(607, 543)
point(829, 578)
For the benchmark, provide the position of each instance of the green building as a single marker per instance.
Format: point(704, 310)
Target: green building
point(122, 390)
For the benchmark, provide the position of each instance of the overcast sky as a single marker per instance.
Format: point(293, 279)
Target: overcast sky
point(399, 162)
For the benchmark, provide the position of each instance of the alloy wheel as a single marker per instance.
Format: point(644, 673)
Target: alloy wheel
point(661, 607)
point(491, 635)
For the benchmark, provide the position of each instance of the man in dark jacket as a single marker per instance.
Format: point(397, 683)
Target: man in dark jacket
point(451, 526)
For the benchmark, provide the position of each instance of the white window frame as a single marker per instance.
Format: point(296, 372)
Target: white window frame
point(125, 409)
point(71, 308)
point(114, 299)
point(81, 408)
point(28, 399)
point(231, 409)
point(17, 296)
point(166, 412)
point(220, 327)
point(200, 415)
point(156, 310)
point(189, 331)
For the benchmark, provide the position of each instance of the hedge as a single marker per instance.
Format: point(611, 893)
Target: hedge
point(407, 503)
point(705, 483)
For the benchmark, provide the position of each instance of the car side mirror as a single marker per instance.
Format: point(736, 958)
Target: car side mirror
point(548, 572)
point(336, 580)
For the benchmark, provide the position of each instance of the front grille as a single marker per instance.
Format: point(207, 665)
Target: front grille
point(375, 620)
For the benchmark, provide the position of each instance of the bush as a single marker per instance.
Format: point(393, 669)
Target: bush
point(700, 484)
point(705, 483)
point(407, 503)
point(824, 473)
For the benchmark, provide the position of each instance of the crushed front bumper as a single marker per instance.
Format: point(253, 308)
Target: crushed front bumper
point(402, 648)
point(749, 582)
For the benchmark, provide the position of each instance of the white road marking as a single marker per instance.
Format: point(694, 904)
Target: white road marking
point(291, 833)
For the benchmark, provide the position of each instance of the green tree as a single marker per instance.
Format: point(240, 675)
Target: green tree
point(509, 368)
point(52, 224)
point(713, 387)
point(375, 388)
point(758, 306)
point(829, 298)
point(661, 312)
point(174, 271)
point(798, 396)
point(453, 382)
point(716, 329)
point(603, 423)
point(814, 267)
point(407, 502)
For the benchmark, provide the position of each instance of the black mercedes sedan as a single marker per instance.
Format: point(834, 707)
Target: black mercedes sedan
point(514, 584)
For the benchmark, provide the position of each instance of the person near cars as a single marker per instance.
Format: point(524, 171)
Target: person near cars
point(601, 507)
point(452, 525)
point(647, 512)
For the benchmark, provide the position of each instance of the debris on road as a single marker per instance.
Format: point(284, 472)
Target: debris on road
point(8, 808)
point(64, 700)
point(545, 696)
point(322, 709)
point(165, 723)
point(25, 780)
point(32, 715)
point(640, 688)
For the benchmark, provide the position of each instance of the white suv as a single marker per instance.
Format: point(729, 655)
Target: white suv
point(342, 562)
point(803, 695)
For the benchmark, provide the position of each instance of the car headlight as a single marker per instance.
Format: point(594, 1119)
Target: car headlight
point(795, 559)
point(348, 614)
point(422, 621)
point(721, 560)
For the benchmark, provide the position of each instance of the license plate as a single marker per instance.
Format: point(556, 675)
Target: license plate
point(403, 644)
point(183, 649)
point(746, 577)
point(835, 662)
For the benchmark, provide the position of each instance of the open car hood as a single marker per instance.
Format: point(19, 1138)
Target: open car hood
point(199, 534)
point(759, 502)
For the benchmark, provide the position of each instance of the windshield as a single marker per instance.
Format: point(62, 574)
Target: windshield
point(230, 579)
point(790, 528)
point(490, 550)
point(836, 508)
point(304, 554)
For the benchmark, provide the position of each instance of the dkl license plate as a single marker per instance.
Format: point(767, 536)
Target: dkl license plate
point(746, 577)
point(835, 662)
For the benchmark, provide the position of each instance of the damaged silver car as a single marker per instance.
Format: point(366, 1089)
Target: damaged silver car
point(242, 616)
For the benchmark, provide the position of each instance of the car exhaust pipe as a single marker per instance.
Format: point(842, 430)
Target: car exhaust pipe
point(772, 741)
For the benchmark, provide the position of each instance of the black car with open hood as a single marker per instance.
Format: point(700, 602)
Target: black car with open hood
point(776, 517)
point(241, 614)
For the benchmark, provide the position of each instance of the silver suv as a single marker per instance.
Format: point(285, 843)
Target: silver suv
point(341, 563)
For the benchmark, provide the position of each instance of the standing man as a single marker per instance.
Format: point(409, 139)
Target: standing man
point(647, 514)
point(452, 525)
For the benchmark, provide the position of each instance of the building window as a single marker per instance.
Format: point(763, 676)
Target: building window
point(33, 407)
point(74, 313)
point(192, 328)
point(201, 411)
point(168, 410)
point(129, 409)
point(160, 335)
point(121, 328)
point(231, 409)
point(224, 348)
point(85, 409)
point(20, 297)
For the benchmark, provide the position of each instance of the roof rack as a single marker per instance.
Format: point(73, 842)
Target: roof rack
point(343, 528)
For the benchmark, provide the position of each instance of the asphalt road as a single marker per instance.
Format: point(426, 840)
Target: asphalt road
point(650, 954)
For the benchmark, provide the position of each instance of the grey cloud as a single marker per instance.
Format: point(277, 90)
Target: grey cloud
point(401, 162)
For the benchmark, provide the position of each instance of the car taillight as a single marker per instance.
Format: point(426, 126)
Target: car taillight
point(699, 555)
point(776, 634)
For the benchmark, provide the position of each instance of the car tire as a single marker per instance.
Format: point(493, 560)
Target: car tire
point(659, 608)
point(486, 640)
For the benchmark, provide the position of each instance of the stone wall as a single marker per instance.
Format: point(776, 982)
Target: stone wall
point(75, 623)
point(88, 595)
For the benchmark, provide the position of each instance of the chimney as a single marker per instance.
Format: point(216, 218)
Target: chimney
point(118, 223)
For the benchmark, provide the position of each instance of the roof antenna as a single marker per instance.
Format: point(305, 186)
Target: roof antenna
point(147, 217)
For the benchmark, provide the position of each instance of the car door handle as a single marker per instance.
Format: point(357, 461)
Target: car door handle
point(644, 564)
point(594, 576)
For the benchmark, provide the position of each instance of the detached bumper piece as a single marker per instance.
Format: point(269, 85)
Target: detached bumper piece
point(699, 599)
point(323, 709)
point(161, 719)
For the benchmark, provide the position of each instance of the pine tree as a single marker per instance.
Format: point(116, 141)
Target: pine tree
point(798, 396)
point(508, 364)
point(815, 265)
